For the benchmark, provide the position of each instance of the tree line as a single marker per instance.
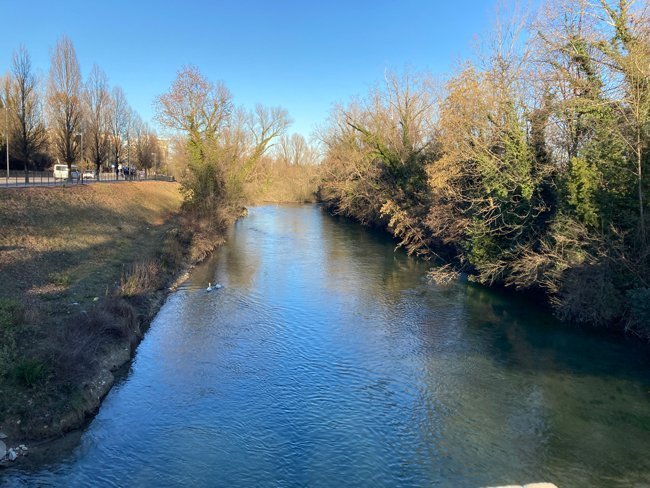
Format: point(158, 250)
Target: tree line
point(64, 119)
point(227, 154)
point(526, 168)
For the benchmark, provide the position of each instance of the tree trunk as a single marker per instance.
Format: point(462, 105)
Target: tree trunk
point(639, 164)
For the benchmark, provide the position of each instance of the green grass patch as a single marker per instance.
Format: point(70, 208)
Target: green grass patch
point(11, 317)
point(61, 279)
point(11, 313)
point(30, 372)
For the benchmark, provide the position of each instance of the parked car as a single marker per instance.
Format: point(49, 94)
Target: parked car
point(61, 172)
point(89, 174)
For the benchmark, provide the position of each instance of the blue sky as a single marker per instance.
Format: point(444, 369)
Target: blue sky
point(302, 55)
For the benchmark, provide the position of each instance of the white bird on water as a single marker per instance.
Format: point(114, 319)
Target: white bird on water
point(210, 287)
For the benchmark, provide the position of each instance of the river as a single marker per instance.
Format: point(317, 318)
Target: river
point(328, 360)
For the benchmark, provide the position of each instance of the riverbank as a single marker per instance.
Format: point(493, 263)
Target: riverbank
point(327, 359)
point(84, 270)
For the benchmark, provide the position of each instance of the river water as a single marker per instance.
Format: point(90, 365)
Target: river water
point(328, 360)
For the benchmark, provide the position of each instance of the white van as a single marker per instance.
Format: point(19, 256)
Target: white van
point(61, 172)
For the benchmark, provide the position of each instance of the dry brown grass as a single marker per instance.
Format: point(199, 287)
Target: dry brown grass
point(81, 262)
point(76, 241)
point(143, 277)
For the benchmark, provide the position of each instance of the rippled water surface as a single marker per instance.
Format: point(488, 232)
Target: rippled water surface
point(327, 360)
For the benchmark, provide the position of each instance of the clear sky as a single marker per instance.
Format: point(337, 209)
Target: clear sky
point(303, 55)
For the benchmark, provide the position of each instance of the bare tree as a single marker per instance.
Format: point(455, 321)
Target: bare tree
point(295, 151)
point(264, 126)
point(6, 121)
point(120, 114)
point(64, 104)
point(195, 105)
point(28, 133)
point(97, 105)
point(376, 147)
point(129, 135)
point(146, 147)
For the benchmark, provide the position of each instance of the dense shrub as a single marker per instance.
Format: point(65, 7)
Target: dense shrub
point(527, 169)
point(30, 372)
point(639, 306)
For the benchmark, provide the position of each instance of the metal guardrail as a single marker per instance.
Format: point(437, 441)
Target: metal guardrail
point(17, 179)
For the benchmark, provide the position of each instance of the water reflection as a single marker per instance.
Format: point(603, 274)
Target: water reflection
point(328, 360)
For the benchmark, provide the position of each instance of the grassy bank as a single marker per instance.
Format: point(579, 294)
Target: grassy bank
point(83, 271)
